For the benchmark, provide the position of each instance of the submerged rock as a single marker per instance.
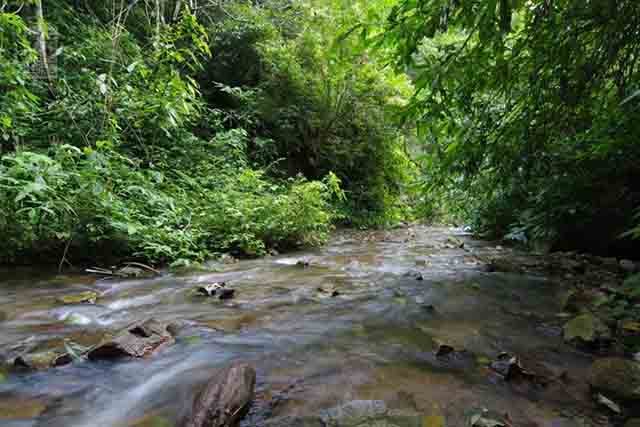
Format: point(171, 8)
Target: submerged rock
point(511, 368)
point(354, 413)
point(303, 263)
point(586, 329)
point(328, 292)
point(617, 378)
point(227, 293)
point(140, 339)
point(414, 274)
point(289, 421)
point(20, 408)
point(502, 265)
point(131, 271)
point(88, 297)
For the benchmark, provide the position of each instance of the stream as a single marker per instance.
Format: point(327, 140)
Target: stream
point(369, 350)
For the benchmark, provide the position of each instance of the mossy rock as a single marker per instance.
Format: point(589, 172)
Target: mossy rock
point(633, 422)
point(586, 328)
point(42, 360)
point(88, 297)
point(16, 408)
point(617, 378)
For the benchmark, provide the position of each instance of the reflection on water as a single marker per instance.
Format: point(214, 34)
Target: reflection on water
point(375, 341)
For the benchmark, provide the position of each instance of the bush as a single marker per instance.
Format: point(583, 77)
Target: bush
point(96, 200)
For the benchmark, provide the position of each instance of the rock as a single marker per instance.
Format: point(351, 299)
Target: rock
point(586, 329)
point(511, 368)
point(88, 297)
point(502, 265)
point(227, 293)
point(3, 316)
point(414, 274)
point(617, 378)
point(428, 307)
point(211, 289)
point(290, 421)
point(19, 408)
point(77, 319)
point(42, 360)
point(225, 399)
point(354, 413)
point(487, 419)
point(328, 292)
point(628, 266)
point(444, 350)
point(228, 259)
point(130, 271)
point(454, 243)
point(139, 339)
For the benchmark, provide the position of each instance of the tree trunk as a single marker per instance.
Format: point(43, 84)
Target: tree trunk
point(176, 11)
point(42, 43)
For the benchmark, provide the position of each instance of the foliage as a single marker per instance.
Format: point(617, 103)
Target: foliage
point(528, 113)
point(127, 152)
point(17, 101)
point(314, 105)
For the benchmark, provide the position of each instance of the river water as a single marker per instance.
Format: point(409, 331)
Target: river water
point(372, 347)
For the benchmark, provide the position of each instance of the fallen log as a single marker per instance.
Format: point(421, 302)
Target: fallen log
point(225, 399)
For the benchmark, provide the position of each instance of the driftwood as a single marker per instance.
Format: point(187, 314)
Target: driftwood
point(225, 399)
point(130, 269)
point(139, 339)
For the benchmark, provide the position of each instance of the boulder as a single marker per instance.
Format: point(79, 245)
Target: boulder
point(586, 329)
point(225, 399)
point(139, 339)
point(617, 378)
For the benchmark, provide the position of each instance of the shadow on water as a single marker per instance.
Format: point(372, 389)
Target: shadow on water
point(375, 341)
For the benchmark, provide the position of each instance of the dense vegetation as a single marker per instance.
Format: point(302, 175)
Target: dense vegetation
point(174, 130)
point(529, 113)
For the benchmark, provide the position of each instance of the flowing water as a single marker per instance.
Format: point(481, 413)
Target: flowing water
point(372, 347)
